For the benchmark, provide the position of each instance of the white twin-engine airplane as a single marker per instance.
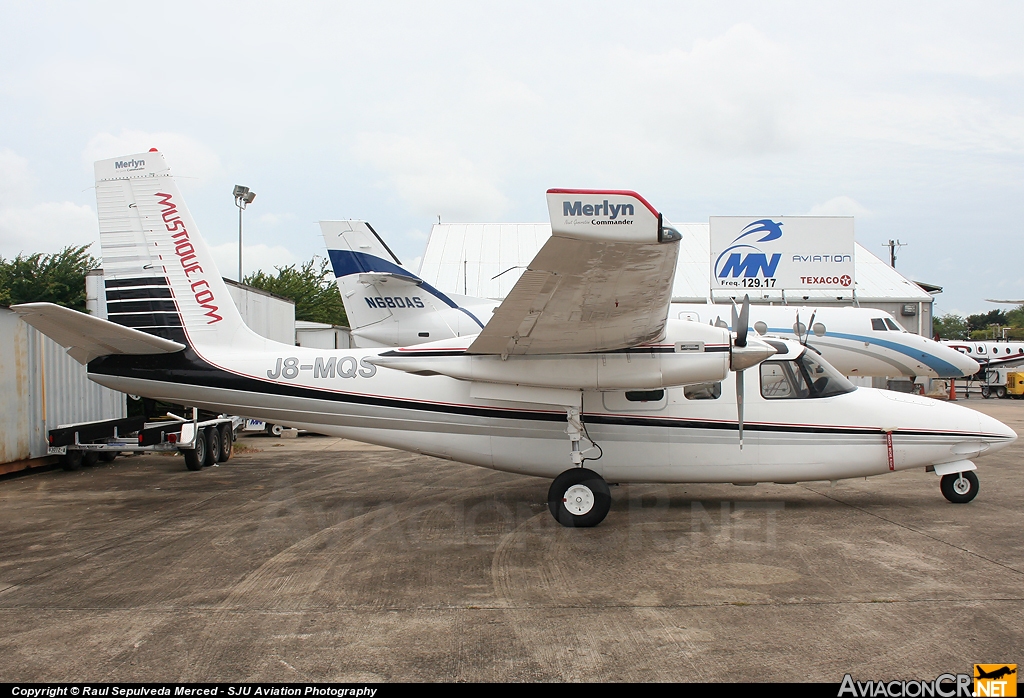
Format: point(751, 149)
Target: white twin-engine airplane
point(579, 365)
point(387, 305)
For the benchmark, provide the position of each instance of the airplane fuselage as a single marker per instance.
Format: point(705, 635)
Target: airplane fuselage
point(649, 436)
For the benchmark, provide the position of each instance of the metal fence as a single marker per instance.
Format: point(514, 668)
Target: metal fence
point(41, 387)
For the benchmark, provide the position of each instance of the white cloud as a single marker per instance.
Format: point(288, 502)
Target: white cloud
point(733, 94)
point(839, 206)
point(47, 227)
point(254, 258)
point(431, 180)
point(29, 226)
point(189, 158)
point(16, 180)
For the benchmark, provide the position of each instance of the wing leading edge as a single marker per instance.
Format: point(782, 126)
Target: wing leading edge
point(602, 282)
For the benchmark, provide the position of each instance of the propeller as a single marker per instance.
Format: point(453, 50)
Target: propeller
point(745, 353)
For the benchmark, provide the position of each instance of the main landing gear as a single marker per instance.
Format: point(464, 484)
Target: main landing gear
point(579, 497)
point(959, 488)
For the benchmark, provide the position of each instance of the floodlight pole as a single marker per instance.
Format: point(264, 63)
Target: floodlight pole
point(243, 197)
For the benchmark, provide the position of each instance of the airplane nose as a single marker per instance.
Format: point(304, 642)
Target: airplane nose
point(998, 432)
point(966, 365)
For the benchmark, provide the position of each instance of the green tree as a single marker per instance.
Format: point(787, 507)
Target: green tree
point(1016, 316)
point(984, 321)
point(310, 286)
point(54, 278)
point(950, 326)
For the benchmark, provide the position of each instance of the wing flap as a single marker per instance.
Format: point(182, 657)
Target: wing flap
point(87, 337)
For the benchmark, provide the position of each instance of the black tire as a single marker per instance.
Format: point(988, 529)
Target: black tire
point(212, 446)
point(71, 461)
point(90, 458)
point(590, 493)
point(985, 392)
point(109, 456)
point(275, 429)
point(195, 458)
point(1000, 392)
point(957, 491)
point(227, 440)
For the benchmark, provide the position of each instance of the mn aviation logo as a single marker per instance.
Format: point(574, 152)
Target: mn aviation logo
point(746, 259)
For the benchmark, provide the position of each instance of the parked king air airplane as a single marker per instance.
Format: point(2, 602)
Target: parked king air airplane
point(579, 365)
point(388, 305)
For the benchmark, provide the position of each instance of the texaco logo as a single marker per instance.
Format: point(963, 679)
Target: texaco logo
point(845, 280)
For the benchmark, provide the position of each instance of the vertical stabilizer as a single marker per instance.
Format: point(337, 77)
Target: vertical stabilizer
point(159, 275)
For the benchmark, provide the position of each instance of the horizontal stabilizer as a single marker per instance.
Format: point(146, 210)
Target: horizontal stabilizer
point(87, 337)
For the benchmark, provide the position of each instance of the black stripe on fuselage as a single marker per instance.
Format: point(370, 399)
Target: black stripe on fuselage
point(187, 368)
point(464, 352)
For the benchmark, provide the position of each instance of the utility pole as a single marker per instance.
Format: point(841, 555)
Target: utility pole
point(893, 245)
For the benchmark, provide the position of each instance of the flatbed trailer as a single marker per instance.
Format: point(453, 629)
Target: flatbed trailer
point(202, 443)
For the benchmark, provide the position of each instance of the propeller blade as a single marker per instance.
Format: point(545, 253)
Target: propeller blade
point(739, 404)
point(810, 324)
point(743, 320)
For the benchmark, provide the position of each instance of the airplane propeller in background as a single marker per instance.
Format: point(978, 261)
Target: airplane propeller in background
point(744, 354)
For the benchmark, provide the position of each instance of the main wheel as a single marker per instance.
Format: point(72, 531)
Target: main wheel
point(195, 458)
point(212, 446)
point(72, 460)
point(579, 498)
point(227, 439)
point(960, 488)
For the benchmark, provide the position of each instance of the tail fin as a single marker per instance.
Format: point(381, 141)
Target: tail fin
point(160, 277)
point(386, 304)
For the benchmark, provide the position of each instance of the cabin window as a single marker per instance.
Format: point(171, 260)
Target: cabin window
point(803, 378)
point(877, 323)
point(703, 391)
point(892, 325)
point(645, 395)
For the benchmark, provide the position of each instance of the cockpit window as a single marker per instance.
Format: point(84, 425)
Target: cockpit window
point(803, 378)
point(877, 323)
point(892, 325)
point(703, 391)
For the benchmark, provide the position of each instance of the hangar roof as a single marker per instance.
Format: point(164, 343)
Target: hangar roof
point(486, 259)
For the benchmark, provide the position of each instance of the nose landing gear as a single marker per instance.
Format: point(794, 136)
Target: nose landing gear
point(959, 488)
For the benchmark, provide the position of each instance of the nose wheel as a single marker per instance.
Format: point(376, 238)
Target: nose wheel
point(579, 498)
point(959, 488)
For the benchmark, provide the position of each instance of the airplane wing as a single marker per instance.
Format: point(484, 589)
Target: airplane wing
point(87, 337)
point(602, 282)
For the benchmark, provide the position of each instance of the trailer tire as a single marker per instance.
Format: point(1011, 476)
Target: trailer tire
point(109, 456)
point(276, 429)
point(71, 461)
point(90, 458)
point(212, 445)
point(227, 440)
point(196, 457)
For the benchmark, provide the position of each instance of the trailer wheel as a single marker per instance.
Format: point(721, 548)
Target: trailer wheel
point(227, 440)
point(212, 445)
point(195, 457)
point(985, 392)
point(1000, 392)
point(109, 456)
point(90, 458)
point(72, 460)
point(276, 429)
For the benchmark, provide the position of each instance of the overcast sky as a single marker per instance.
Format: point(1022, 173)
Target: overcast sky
point(909, 116)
